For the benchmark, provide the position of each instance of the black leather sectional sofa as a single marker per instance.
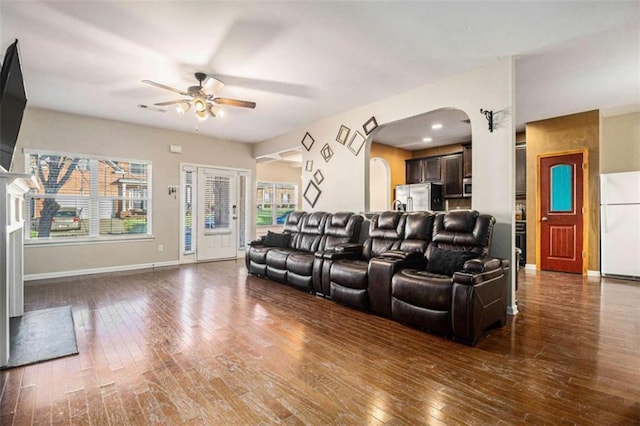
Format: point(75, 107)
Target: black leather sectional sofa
point(431, 270)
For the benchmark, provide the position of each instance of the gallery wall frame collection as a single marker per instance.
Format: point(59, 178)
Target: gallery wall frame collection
point(312, 192)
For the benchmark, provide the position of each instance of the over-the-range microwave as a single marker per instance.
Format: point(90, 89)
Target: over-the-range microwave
point(466, 187)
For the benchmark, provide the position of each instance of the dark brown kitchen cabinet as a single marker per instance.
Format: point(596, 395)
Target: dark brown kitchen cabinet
point(413, 171)
point(521, 170)
point(466, 160)
point(420, 170)
point(452, 173)
point(432, 169)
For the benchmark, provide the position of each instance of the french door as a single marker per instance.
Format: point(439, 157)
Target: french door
point(214, 213)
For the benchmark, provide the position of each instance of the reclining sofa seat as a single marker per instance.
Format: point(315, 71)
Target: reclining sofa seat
point(256, 254)
point(348, 279)
point(463, 302)
point(341, 228)
point(305, 241)
point(418, 231)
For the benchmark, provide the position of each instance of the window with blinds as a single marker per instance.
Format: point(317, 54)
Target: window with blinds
point(83, 196)
point(217, 203)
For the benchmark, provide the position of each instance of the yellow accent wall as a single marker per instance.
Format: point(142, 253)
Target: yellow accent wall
point(620, 144)
point(566, 133)
point(396, 158)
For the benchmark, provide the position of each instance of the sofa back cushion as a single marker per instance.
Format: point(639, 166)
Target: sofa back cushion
point(386, 232)
point(311, 231)
point(341, 228)
point(293, 224)
point(463, 230)
point(418, 231)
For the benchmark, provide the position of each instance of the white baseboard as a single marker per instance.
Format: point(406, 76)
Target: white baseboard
point(530, 267)
point(591, 273)
point(119, 268)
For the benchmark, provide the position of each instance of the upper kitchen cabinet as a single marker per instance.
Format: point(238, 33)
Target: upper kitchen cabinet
point(521, 170)
point(413, 170)
point(452, 171)
point(420, 170)
point(466, 160)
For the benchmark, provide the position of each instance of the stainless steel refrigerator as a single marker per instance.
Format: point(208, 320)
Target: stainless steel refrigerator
point(620, 224)
point(420, 196)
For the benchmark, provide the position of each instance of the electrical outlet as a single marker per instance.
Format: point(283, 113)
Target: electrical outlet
point(160, 248)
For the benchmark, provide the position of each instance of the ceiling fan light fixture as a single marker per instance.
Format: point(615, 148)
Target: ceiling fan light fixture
point(200, 105)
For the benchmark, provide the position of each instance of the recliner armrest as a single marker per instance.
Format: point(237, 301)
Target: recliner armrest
point(412, 256)
point(476, 271)
point(348, 248)
point(257, 242)
point(482, 264)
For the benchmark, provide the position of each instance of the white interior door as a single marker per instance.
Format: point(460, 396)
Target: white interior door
point(216, 217)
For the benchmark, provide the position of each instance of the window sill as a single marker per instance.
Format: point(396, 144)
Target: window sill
point(87, 241)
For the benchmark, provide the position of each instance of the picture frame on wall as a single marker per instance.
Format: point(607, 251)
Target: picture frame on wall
point(307, 141)
point(343, 134)
point(318, 177)
point(356, 143)
point(312, 193)
point(370, 125)
point(326, 152)
point(308, 166)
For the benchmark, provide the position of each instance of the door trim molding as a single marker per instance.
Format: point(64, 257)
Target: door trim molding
point(585, 203)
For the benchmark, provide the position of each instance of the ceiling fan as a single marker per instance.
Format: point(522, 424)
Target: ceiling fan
point(201, 97)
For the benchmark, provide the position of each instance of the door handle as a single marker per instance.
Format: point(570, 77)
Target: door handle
point(234, 212)
point(544, 218)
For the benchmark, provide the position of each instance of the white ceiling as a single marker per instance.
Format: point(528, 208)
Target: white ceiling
point(304, 61)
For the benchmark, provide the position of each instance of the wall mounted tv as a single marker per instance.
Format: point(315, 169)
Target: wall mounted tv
point(13, 99)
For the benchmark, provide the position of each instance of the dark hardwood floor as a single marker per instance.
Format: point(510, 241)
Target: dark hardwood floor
point(205, 344)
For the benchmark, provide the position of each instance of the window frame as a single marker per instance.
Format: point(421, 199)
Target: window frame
point(94, 235)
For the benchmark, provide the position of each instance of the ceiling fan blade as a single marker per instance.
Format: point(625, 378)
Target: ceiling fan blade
point(234, 102)
point(173, 102)
point(212, 86)
point(162, 86)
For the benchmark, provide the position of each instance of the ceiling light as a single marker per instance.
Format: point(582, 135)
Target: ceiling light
point(202, 115)
point(436, 126)
point(427, 140)
point(200, 104)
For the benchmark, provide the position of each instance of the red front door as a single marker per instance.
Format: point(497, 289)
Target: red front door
point(561, 213)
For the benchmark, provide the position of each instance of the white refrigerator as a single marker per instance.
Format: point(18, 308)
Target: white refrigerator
point(620, 224)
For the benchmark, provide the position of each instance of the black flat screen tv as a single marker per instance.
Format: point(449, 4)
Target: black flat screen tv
point(13, 100)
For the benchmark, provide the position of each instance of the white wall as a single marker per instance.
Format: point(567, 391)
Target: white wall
point(57, 131)
point(346, 177)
